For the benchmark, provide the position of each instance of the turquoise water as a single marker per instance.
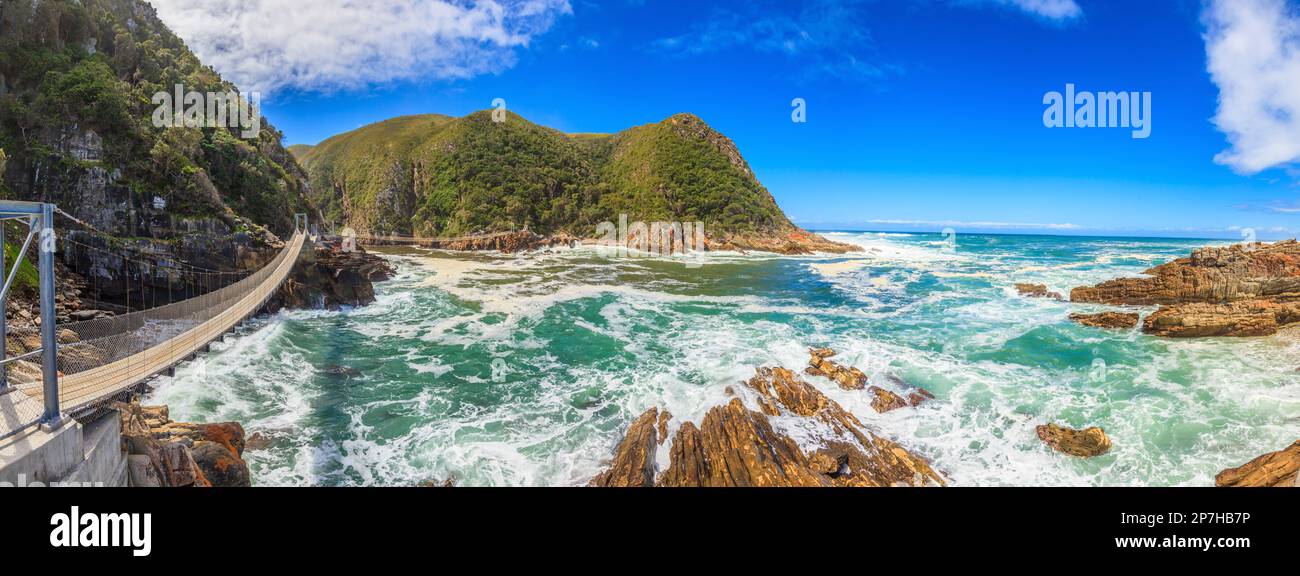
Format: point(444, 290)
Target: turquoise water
point(504, 370)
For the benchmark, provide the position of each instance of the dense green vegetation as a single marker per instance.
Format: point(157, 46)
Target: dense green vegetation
point(441, 176)
point(69, 68)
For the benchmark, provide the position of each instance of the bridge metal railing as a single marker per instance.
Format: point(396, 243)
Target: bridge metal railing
point(96, 360)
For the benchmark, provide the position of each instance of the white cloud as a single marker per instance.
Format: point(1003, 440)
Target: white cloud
point(325, 45)
point(1253, 47)
point(1051, 9)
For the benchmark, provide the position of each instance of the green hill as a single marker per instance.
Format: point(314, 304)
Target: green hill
point(438, 176)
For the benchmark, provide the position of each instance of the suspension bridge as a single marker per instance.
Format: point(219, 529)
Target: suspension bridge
point(76, 368)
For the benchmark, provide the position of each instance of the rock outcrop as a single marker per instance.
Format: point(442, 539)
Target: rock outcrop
point(849, 378)
point(1083, 443)
point(1115, 320)
point(1037, 291)
point(161, 452)
point(330, 278)
point(1239, 290)
point(736, 446)
point(1279, 469)
point(634, 461)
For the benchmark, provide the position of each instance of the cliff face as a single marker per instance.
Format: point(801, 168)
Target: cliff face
point(437, 176)
point(77, 80)
point(1238, 290)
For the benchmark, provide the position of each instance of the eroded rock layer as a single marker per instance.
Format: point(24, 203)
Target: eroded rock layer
point(1239, 290)
point(734, 445)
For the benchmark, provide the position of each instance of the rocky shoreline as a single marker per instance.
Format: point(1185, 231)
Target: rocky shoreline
point(164, 453)
point(737, 444)
point(1240, 290)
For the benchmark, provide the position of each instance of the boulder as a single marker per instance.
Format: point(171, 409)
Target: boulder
point(634, 459)
point(1279, 469)
point(1037, 291)
point(848, 378)
point(1116, 320)
point(885, 400)
point(1084, 443)
point(221, 466)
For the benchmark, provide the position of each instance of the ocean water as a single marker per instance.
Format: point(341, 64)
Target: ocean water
point(525, 370)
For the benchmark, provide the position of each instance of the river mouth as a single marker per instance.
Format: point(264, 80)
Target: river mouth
point(524, 370)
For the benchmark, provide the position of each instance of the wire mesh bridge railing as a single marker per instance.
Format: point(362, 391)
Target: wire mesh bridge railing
point(99, 359)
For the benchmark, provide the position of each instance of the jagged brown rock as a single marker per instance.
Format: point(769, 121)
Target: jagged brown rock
point(819, 364)
point(634, 459)
point(1239, 290)
point(885, 400)
point(736, 446)
point(1237, 319)
point(1117, 320)
point(1279, 469)
point(919, 395)
point(175, 454)
point(1084, 443)
point(1037, 291)
point(664, 417)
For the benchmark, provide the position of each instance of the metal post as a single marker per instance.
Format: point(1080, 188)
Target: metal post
point(4, 316)
point(49, 343)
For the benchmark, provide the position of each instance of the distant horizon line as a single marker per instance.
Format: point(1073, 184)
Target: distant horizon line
point(1056, 234)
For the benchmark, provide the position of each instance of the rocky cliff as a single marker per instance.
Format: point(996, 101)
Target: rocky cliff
point(77, 79)
point(1239, 290)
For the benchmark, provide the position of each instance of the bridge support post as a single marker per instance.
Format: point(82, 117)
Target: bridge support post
point(49, 342)
point(4, 319)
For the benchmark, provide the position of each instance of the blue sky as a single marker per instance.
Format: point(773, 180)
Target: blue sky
point(921, 114)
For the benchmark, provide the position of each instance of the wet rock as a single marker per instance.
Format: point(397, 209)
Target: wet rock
point(1279, 469)
point(1239, 290)
point(1084, 443)
point(179, 470)
point(1037, 291)
point(919, 395)
point(634, 459)
point(885, 400)
point(848, 378)
point(664, 417)
point(1234, 319)
point(1117, 320)
point(221, 467)
point(331, 278)
point(181, 453)
point(448, 483)
point(736, 446)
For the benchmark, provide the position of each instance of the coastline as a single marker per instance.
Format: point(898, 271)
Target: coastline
point(468, 285)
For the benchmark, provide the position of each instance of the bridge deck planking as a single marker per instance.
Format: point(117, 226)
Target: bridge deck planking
point(86, 388)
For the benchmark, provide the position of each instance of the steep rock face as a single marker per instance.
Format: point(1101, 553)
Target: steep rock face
point(1239, 290)
point(77, 79)
point(1279, 469)
point(736, 446)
